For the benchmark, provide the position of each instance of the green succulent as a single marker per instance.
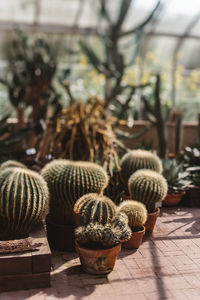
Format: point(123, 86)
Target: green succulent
point(23, 202)
point(11, 164)
point(148, 187)
point(68, 181)
point(135, 211)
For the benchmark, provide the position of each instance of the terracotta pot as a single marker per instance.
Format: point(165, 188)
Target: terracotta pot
point(172, 199)
point(192, 197)
point(151, 220)
point(135, 240)
point(97, 261)
point(60, 237)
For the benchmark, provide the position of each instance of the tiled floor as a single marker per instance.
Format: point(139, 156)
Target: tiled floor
point(166, 266)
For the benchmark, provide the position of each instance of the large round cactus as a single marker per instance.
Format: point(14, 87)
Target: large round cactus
point(68, 181)
point(23, 202)
point(11, 164)
point(135, 211)
point(139, 159)
point(148, 187)
point(94, 208)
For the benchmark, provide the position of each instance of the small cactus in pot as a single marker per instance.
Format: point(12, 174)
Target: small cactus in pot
point(23, 202)
point(99, 242)
point(148, 187)
point(137, 217)
point(139, 159)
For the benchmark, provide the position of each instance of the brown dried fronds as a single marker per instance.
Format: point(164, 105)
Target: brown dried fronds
point(85, 132)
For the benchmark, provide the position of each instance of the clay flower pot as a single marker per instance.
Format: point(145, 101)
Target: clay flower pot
point(97, 261)
point(173, 199)
point(135, 240)
point(151, 220)
point(60, 237)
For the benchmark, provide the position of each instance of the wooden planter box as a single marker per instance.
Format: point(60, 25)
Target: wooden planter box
point(24, 270)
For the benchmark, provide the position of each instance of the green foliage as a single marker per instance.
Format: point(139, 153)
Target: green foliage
point(176, 176)
point(68, 181)
point(23, 202)
point(135, 211)
point(94, 208)
point(114, 65)
point(32, 66)
point(96, 235)
point(148, 187)
point(139, 159)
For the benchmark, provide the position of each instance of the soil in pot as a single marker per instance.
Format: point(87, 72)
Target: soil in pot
point(136, 238)
point(97, 261)
point(60, 237)
point(173, 199)
point(151, 220)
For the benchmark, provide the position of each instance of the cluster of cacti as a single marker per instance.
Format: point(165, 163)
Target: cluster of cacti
point(68, 181)
point(94, 208)
point(148, 187)
point(11, 164)
point(23, 202)
point(139, 159)
point(135, 211)
point(105, 236)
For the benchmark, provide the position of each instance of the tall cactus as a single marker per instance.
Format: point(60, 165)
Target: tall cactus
point(68, 181)
point(23, 202)
point(94, 208)
point(135, 211)
point(139, 159)
point(11, 164)
point(148, 187)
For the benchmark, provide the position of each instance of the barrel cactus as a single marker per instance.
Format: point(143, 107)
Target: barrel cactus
point(104, 236)
point(23, 202)
point(139, 159)
point(94, 208)
point(68, 181)
point(135, 211)
point(148, 187)
point(11, 164)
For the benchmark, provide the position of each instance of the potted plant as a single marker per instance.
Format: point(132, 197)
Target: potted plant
point(138, 159)
point(148, 187)
point(68, 181)
point(137, 217)
point(177, 180)
point(98, 244)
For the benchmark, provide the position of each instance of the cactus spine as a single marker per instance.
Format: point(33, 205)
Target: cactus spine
point(68, 181)
point(135, 211)
point(148, 187)
point(94, 208)
point(104, 236)
point(12, 164)
point(139, 159)
point(23, 202)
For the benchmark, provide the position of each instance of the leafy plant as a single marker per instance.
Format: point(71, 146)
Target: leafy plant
point(32, 66)
point(175, 174)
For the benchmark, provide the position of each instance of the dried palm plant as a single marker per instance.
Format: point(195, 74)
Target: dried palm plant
point(83, 132)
